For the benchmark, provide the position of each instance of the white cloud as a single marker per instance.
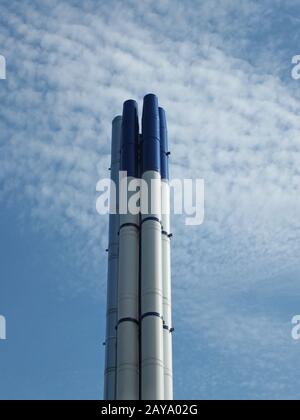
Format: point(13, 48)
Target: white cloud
point(231, 122)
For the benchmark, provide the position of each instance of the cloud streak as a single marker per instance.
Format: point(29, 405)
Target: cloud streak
point(232, 122)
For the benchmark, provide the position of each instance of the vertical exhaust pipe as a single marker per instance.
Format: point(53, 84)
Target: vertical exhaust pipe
point(152, 364)
point(112, 276)
point(166, 259)
point(128, 284)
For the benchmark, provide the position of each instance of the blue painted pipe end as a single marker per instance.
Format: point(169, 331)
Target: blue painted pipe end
point(150, 135)
point(130, 138)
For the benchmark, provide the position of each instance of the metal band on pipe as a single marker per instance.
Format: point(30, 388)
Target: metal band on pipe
point(147, 314)
point(153, 219)
point(135, 321)
point(129, 225)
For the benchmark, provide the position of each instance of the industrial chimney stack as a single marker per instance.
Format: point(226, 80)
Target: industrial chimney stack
point(138, 363)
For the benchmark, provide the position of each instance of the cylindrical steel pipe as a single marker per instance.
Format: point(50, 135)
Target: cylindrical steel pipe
point(128, 284)
point(166, 259)
point(112, 277)
point(152, 352)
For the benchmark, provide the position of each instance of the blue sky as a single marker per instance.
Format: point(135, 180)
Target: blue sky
point(222, 70)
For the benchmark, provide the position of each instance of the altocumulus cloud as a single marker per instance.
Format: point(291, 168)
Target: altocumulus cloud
point(232, 122)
